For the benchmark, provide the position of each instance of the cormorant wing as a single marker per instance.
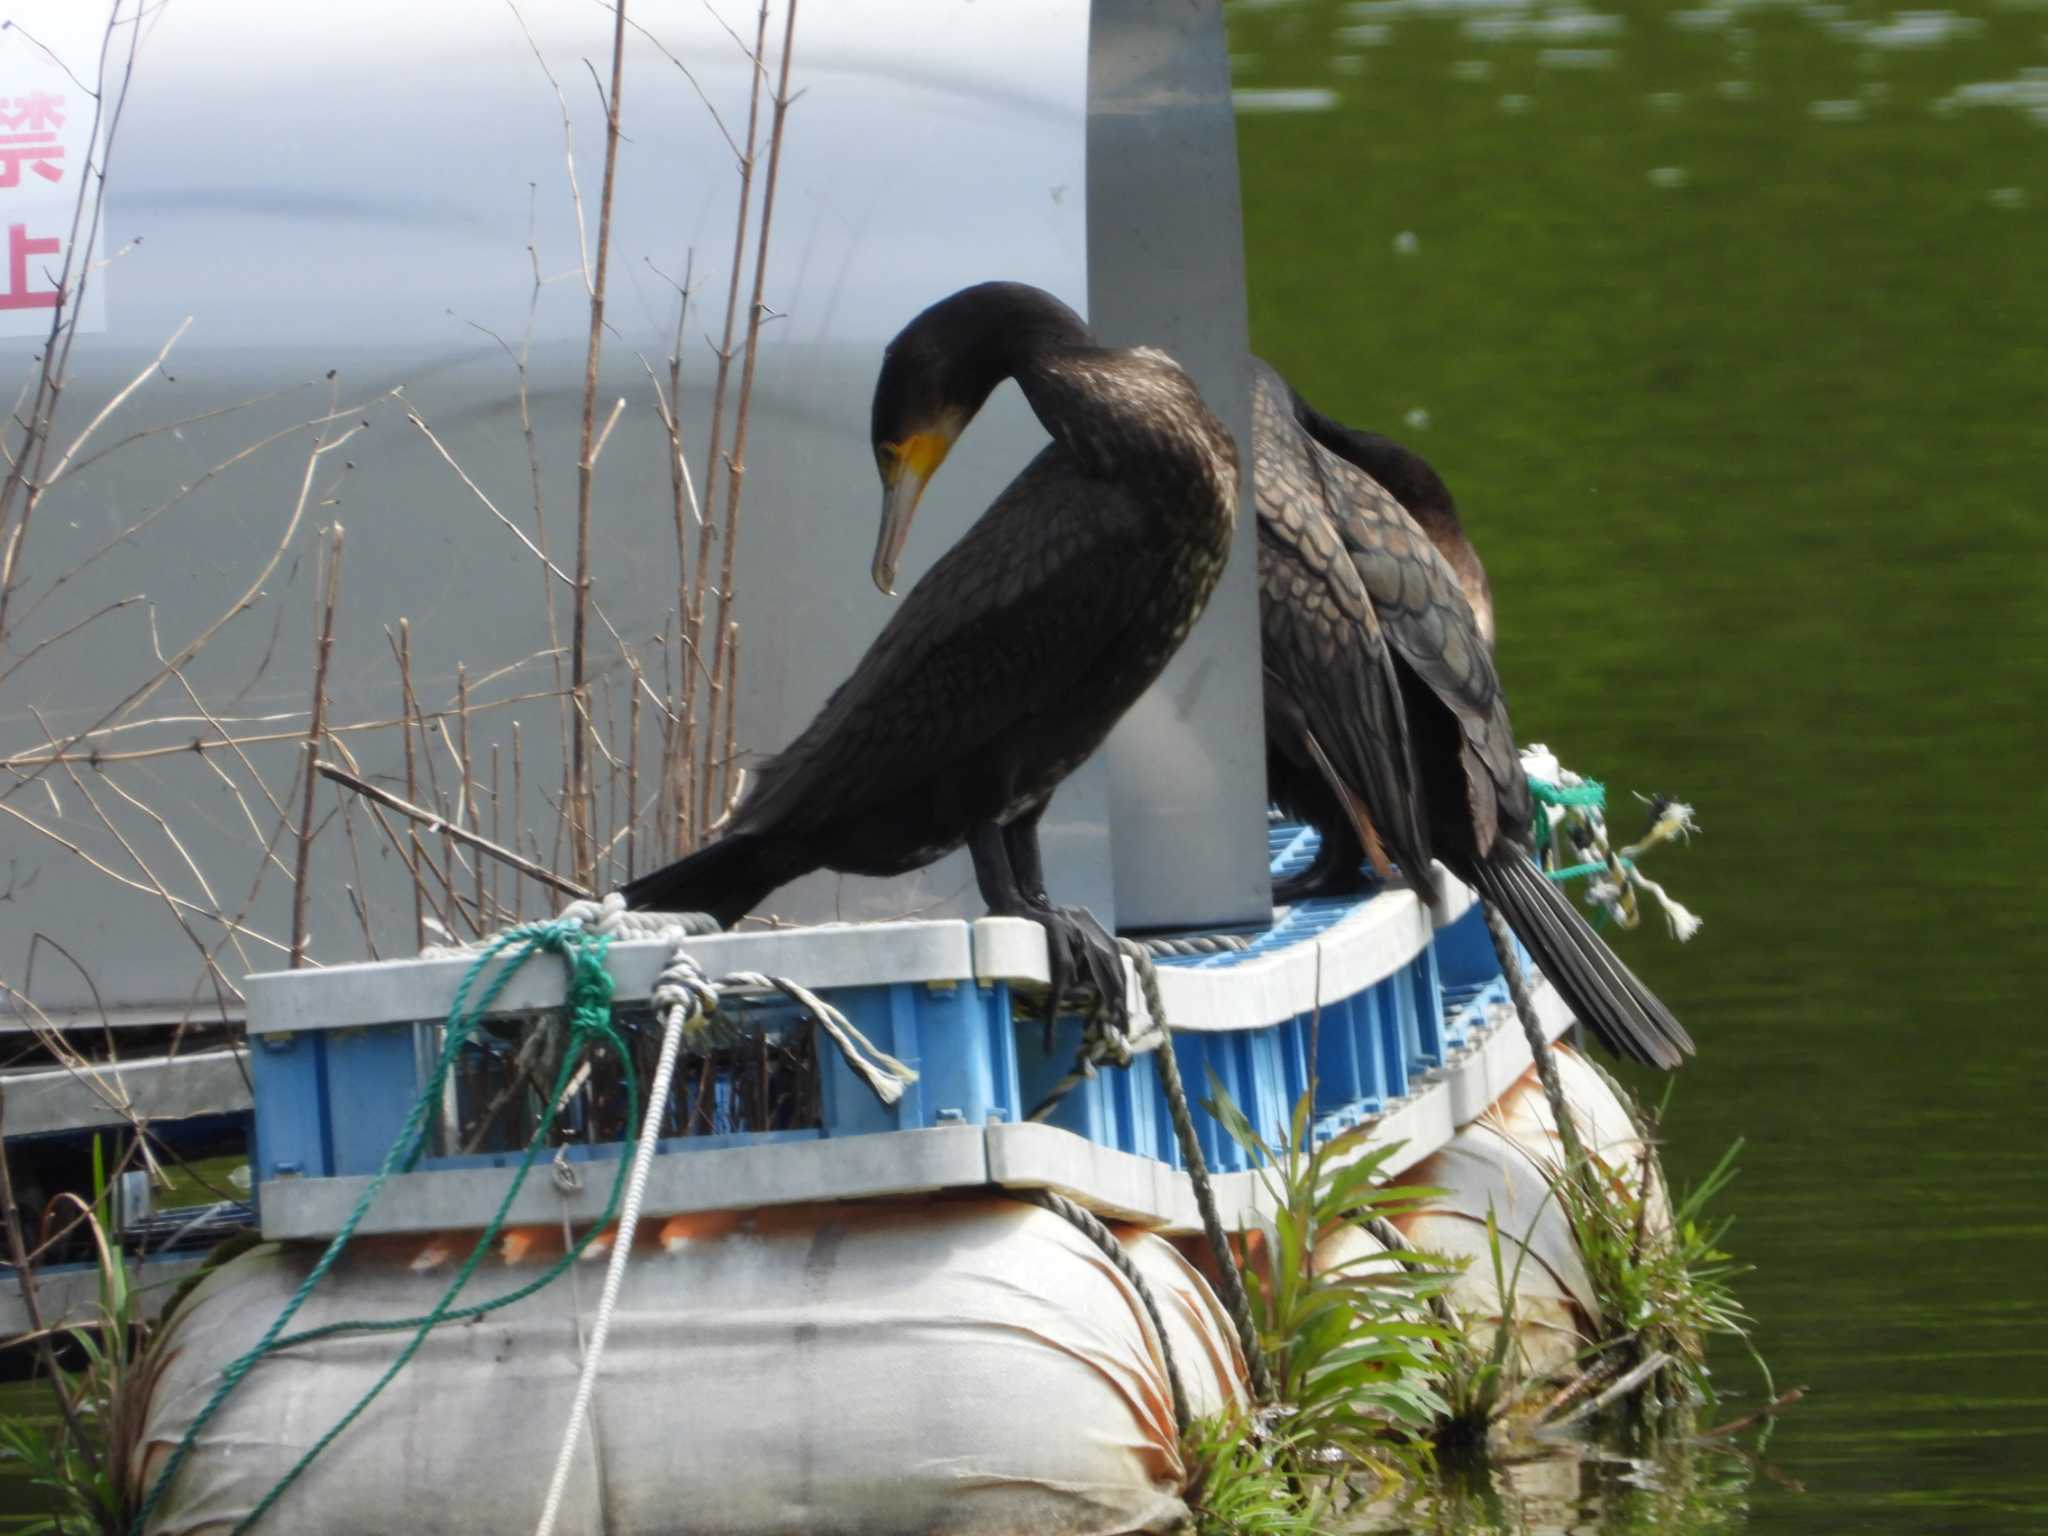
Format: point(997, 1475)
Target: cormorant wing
point(1003, 635)
point(1323, 647)
point(1432, 632)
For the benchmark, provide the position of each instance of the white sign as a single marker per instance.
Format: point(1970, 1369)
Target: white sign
point(49, 65)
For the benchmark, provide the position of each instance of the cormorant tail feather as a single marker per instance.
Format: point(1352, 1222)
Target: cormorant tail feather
point(1602, 993)
point(728, 878)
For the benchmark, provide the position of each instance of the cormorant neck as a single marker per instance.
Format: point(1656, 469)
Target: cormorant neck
point(1014, 327)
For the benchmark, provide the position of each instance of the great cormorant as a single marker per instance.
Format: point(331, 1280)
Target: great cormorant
point(1385, 715)
point(1007, 664)
point(1296, 781)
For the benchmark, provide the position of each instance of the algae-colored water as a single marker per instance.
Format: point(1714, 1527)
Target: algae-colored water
point(1729, 327)
point(1731, 330)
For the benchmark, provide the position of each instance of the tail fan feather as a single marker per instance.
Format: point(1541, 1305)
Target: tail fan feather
point(1602, 993)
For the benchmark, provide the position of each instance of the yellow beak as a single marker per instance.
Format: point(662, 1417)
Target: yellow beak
point(911, 464)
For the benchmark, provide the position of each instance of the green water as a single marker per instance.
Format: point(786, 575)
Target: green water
point(1745, 401)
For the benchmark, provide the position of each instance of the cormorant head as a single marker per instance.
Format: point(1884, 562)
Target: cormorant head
point(935, 375)
point(1408, 477)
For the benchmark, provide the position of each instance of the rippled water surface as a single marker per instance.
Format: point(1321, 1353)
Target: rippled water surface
point(1729, 328)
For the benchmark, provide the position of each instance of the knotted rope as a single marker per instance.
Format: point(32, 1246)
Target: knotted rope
point(1574, 815)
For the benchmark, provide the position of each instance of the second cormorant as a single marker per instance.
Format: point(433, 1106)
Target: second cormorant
point(1007, 664)
point(1300, 784)
point(1383, 710)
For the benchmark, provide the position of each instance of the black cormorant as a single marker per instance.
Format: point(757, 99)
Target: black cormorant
point(1409, 478)
point(1297, 783)
point(1384, 713)
point(1007, 664)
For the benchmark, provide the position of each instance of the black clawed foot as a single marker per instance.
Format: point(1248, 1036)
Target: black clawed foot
point(1105, 964)
point(1059, 962)
point(1079, 949)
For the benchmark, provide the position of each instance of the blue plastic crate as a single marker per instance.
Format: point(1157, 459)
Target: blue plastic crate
point(959, 1039)
point(331, 1103)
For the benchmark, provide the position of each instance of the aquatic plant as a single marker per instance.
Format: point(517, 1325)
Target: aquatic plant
point(1664, 1285)
point(1479, 1367)
point(1348, 1334)
point(1241, 1483)
point(78, 1458)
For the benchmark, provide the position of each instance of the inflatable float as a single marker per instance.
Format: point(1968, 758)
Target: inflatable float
point(846, 1305)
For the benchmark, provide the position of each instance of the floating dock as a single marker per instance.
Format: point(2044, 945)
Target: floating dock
point(839, 1312)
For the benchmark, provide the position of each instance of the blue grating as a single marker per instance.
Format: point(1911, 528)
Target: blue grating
point(330, 1103)
point(1290, 849)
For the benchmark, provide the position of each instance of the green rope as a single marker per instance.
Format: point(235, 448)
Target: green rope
point(1588, 794)
point(589, 1003)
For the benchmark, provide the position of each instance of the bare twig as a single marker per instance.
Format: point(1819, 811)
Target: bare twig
point(693, 618)
point(1771, 1409)
point(52, 752)
point(187, 491)
point(26, 474)
point(632, 774)
point(518, 819)
point(568, 142)
point(141, 434)
point(178, 905)
point(618, 410)
point(736, 466)
point(728, 753)
point(114, 403)
point(199, 704)
point(301, 888)
point(65, 633)
point(355, 864)
point(1620, 1388)
point(611, 810)
point(191, 864)
point(586, 466)
point(410, 856)
point(193, 647)
point(438, 824)
point(466, 799)
point(450, 863)
point(490, 506)
point(412, 783)
point(497, 826)
point(663, 49)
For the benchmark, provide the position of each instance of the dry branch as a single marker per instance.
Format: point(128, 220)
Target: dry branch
point(193, 647)
point(301, 887)
point(586, 465)
point(736, 465)
point(693, 619)
point(25, 476)
point(437, 824)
